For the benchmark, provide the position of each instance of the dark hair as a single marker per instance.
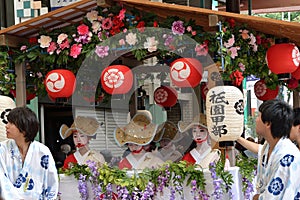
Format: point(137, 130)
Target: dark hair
point(26, 121)
point(296, 116)
point(280, 115)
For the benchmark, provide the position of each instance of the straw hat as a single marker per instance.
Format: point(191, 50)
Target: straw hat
point(167, 130)
point(140, 130)
point(84, 125)
point(199, 120)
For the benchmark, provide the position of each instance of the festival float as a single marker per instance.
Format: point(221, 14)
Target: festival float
point(105, 47)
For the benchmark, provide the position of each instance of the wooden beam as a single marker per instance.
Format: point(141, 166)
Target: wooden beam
point(278, 28)
point(11, 41)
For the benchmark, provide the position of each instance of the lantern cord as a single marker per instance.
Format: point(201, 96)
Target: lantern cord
point(221, 44)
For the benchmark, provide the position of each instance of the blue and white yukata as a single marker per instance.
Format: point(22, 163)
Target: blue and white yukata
point(37, 179)
point(278, 178)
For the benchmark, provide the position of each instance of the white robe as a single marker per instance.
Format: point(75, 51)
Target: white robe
point(37, 179)
point(278, 178)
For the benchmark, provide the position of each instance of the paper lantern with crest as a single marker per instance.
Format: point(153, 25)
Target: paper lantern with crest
point(225, 113)
point(186, 72)
point(283, 58)
point(263, 93)
point(117, 79)
point(165, 96)
point(60, 83)
point(7, 104)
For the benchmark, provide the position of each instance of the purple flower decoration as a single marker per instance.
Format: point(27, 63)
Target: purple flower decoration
point(102, 51)
point(178, 28)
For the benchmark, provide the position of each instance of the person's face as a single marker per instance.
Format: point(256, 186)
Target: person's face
point(134, 147)
point(295, 132)
point(199, 133)
point(261, 128)
point(80, 140)
point(12, 132)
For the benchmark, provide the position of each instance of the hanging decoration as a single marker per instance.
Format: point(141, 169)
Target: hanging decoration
point(7, 104)
point(186, 72)
point(263, 93)
point(225, 113)
point(283, 58)
point(117, 79)
point(60, 83)
point(165, 96)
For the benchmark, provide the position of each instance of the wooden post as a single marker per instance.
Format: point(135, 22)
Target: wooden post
point(20, 85)
point(233, 6)
point(296, 101)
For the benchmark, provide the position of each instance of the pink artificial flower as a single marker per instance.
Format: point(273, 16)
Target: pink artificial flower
point(244, 34)
point(252, 39)
point(201, 49)
point(96, 26)
point(230, 42)
point(23, 48)
point(122, 42)
point(233, 52)
point(194, 33)
point(121, 15)
point(52, 47)
point(64, 44)
point(107, 23)
point(75, 50)
point(242, 67)
point(189, 28)
point(178, 28)
point(102, 51)
point(83, 29)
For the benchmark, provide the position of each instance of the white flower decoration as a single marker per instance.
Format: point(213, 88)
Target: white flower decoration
point(44, 41)
point(131, 38)
point(151, 44)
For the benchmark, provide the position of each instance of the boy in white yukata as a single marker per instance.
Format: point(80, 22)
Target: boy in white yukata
point(27, 168)
point(279, 158)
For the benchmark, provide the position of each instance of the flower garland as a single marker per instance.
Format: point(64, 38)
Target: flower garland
point(244, 50)
point(248, 170)
point(147, 183)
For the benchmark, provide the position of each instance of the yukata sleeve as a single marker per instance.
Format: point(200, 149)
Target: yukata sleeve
point(283, 182)
point(51, 180)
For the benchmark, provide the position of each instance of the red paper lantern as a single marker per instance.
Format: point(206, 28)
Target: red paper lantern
point(296, 74)
point(116, 79)
point(165, 96)
point(262, 92)
point(29, 95)
point(283, 58)
point(186, 72)
point(60, 83)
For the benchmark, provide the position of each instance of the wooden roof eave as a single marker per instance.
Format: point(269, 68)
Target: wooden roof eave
point(279, 28)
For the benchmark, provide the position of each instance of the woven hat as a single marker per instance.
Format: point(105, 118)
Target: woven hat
point(85, 125)
point(167, 130)
point(140, 130)
point(199, 120)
